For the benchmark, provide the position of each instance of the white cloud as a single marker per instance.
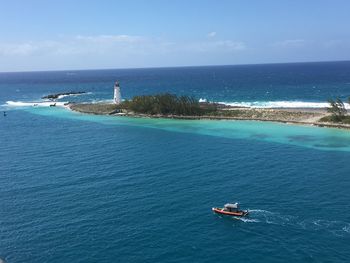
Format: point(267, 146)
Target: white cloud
point(216, 46)
point(101, 44)
point(211, 34)
point(82, 51)
point(290, 43)
point(110, 38)
point(20, 49)
point(336, 43)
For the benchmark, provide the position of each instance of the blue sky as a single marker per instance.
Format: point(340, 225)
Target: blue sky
point(86, 34)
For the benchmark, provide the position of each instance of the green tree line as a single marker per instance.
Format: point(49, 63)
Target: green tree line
point(166, 104)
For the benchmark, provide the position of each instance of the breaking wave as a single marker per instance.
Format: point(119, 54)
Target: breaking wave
point(23, 104)
point(102, 101)
point(73, 95)
point(277, 104)
point(47, 103)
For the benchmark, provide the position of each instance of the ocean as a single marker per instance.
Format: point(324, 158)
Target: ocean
point(86, 188)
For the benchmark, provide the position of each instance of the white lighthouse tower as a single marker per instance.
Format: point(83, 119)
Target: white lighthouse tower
point(117, 97)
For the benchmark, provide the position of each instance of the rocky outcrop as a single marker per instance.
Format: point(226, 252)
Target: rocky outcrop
point(94, 108)
point(58, 95)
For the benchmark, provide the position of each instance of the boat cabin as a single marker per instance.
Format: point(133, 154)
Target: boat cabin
point(231, 207)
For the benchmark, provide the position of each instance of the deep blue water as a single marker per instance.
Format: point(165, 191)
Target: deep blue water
point(80, 188)
point(307, 82)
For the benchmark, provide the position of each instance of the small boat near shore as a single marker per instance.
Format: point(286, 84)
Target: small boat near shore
point(230, 210)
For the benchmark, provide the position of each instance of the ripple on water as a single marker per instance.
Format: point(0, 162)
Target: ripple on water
point(302, 138)
point(259, 136)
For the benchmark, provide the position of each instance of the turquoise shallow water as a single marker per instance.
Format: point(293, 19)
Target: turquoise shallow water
point(304, 136)
point(82, 188)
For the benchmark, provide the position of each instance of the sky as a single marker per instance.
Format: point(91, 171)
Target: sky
point(86, 34)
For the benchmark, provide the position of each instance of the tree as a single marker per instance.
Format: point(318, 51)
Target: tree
point(337, 109)
point(166, 104)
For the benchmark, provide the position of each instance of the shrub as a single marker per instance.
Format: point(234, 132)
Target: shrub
point(337, 110)
point(165, 104)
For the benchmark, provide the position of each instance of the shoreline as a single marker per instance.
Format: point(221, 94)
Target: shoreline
point(292, 116)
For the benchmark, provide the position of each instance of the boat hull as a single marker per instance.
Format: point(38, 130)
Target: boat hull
point(228, 213)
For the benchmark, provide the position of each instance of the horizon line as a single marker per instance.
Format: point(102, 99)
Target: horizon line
point(171, 67)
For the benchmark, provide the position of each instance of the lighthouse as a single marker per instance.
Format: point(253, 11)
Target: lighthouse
point(117, 96)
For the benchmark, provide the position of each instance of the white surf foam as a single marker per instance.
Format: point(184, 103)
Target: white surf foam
point(103, 101)
point(63, 96)
point(22, 104)
point(282, 104)
point(277, 104)
point(73, 95)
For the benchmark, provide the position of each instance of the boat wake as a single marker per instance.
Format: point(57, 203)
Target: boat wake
point(336, 227)
point(272, 218)
point(247, 220)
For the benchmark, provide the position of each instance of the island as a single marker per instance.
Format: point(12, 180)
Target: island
point(186, 107)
